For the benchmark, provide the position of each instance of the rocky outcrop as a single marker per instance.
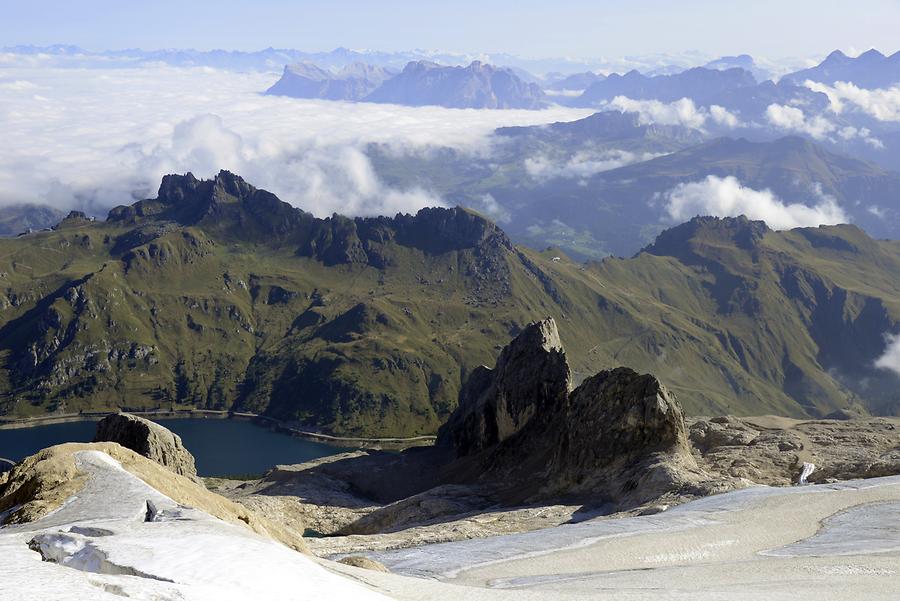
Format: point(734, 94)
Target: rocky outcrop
point(44, 482)
point(358, 561)
point(772, 450)
point(531, 378)
point(148, 439)
point(620, 436)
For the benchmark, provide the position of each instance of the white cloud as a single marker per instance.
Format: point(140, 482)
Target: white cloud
point(891, 357)
point(16, 85)
point(582, 164)
point(882, 104)
point(680, 112)
point(727, 197)
point(794, 119)
point(489, 207)
point(722, 116)
point(100, 137)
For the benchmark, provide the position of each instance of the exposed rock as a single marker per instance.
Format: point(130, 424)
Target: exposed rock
point(358, 561)
point(476, 86)
point(620, 437)
point(37, 485)
point(430, 506)
point(707, 435)
point(306, 80)
point(148, 439)
point(41, 483)
point(840, 449)
point(531, 378)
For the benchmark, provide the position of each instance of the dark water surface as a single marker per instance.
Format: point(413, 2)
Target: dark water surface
point(222, 447)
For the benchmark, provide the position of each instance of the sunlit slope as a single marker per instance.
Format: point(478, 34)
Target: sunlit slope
point(218, 295)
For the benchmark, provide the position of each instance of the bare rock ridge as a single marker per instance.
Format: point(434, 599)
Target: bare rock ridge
point(148, 439)
point(531, 377)
point(619, 435)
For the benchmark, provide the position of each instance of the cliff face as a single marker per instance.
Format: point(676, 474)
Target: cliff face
point(619, 436)
point(530, 381)
point(478, 85)
point(306, 80)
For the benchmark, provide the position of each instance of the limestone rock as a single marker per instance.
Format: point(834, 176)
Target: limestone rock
point(531, 378)
point(619, 437)
point(719, 432)
point(148, 439)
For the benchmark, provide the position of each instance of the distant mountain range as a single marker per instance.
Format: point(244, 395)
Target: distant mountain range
point(598, 185)
point(476, 86)
point(18, 218)
point(420, 83)
point(870, 69)
point(218, 295)
point(274, 59)
point(734, 89)
point(306, 80)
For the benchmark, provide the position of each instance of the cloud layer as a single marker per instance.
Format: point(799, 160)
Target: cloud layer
point(582, 164)
point(90, 138)
point(727, 197)
point(882, 104)
point(680, 112)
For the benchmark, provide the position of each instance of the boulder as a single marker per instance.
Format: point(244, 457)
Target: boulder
point(358, 561)
point(149, 439)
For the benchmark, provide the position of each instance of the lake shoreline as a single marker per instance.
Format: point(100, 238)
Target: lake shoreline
point(259, 420)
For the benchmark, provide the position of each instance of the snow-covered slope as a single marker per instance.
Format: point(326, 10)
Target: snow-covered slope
point(121, 538)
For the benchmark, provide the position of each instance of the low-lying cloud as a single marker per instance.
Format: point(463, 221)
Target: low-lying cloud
point(890, 360)
point(583, 164)
point(727, 197)
point(680, 112)
point(793, 119)
point(95, 138)
point(882, 104)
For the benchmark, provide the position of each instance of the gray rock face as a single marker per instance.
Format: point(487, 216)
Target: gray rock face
point(619, 437)
point(306, 80)
point(476, 86)
point(531, 378)
point(148, 439)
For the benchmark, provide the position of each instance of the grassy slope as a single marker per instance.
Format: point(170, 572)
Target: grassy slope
point(789, 326)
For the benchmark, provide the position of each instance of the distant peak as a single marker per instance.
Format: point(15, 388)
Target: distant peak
point(871, 54)
point(679, 241)
point(836, 55)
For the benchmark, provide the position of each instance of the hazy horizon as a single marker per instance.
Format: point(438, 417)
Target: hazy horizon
point(575, 29)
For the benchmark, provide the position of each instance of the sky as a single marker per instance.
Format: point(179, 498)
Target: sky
point(572, 28)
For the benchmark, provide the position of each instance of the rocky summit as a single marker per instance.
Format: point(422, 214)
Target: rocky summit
point(619, 436)
point(531, 380)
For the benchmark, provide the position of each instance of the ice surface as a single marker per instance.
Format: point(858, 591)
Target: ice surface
point(870, 528)
point(103, 530)
point(446, 560)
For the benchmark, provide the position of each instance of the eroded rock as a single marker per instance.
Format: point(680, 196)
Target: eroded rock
point(148, 439)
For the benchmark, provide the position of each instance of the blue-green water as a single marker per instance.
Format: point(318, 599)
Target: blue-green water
point(221, 446)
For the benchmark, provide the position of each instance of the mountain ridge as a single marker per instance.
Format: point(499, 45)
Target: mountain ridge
point(369, 326)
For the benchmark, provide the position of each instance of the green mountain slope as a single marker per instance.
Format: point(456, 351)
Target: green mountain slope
point(219, 295)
